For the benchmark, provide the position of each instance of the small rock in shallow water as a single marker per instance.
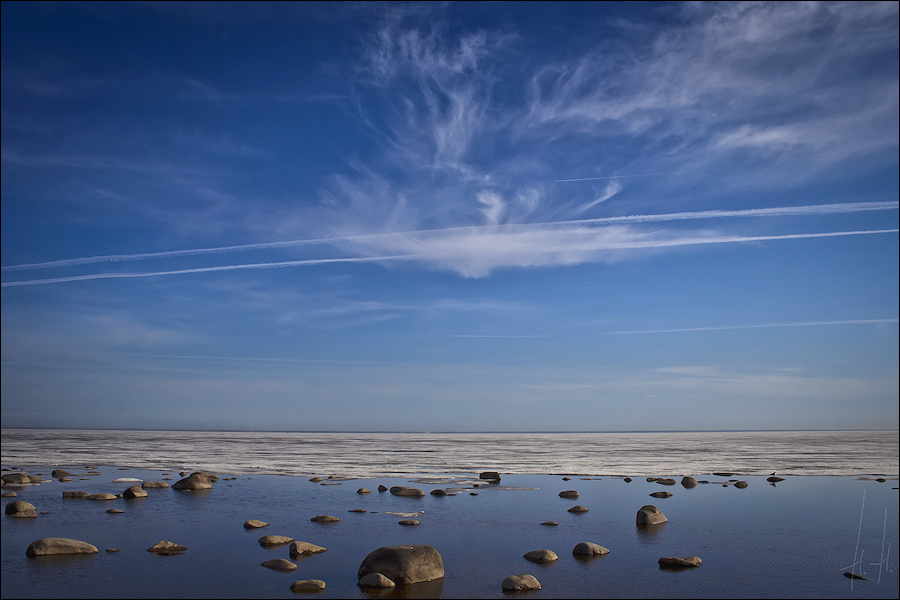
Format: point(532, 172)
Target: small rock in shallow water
point(521, 583)
point(51, 546)
point(254, 524)
point(679, 562)
point(375, 580)
point(363, 491)
point(550, 523)
point(541, 556)
point(305, 549)
point(409, 522)
point(275, 540)
point(325, 519)
point(649, 515)
point(164, 547)
point(571, 494)
point(661, 494)
point(308, 585)
point(115, 511)
point(589, 549)
point(382, 488)
point(279, 564)
point(852, 575)
point(578, 509)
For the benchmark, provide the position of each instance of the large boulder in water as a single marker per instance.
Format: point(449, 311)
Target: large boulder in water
point(55, 545)
point(404, 564)
point(649, 515)
point(195, 481)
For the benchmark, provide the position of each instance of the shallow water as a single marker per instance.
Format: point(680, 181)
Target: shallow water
point(794, 539)
point(390, 454)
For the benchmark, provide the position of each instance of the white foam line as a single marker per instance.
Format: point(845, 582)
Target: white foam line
point(818, 209)
point(764, 325)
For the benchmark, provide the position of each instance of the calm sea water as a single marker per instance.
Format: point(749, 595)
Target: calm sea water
point(793, 539)
point(388, 454)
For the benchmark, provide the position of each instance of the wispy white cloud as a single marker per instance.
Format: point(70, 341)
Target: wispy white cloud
point(477, 253)
point(494, 201)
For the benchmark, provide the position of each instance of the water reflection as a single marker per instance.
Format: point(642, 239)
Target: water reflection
point(425, 589)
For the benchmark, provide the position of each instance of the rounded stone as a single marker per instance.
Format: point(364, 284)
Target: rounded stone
point(409, 522)
point(541, 556)
point(308, 585)
point(401, 490)
point(325, 519)
point(521, 583)
point(405, 564)
point(589, 549)
point(375, 580)
point(571, 494)
point(19, 509)
point(279, 564)
point(661, 494)
point(649, 515)
point(579, 509)
point(275, 540)
point(56, 545)
point(363, 491)
point(254, 524)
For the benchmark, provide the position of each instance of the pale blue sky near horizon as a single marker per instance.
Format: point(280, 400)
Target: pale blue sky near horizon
point(541, 216)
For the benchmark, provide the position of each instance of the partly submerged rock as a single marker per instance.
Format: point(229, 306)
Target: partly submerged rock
point(279, 564)
point(133, 492)
point(406, 564)
point(521, 583)
point(147, 485)
point(166, 548)
point(74, 495)
point(491, 475)
point(57, 473)
point(305, 549)
point(688, 482)
point(589, 549)
point(275, 540)
point(382, 488)
point(541, 556)
point(308, 585)
point(409, 522)
point(661, 494)
point(571, 494)
point(56, 545)
point(254, 524)
point(578, 509)
point(363, 491)
point(402, 490)
point(19, 509)
point(325, 519)
point(679, 562)
point(375, 580)
point(195, 481)
point(741, 484)
point(649, 515)
point(101, 497)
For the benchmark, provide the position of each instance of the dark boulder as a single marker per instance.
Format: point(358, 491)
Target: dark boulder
point(404, 564)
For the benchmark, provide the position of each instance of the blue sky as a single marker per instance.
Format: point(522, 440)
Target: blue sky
point(450, 217)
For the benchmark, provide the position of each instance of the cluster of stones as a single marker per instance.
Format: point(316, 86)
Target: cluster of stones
point(385, 567)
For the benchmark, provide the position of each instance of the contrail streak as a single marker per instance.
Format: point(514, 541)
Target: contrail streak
point(818, 209)
point(610, 177)
point(764, 325)
point(426, 257)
